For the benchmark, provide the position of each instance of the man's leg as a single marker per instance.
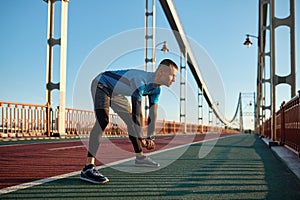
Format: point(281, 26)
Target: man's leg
point(102, 119)
point(101, 105)
point(122, 107)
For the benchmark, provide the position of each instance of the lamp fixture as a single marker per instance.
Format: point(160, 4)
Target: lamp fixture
point(248, 41)
point(165, 48)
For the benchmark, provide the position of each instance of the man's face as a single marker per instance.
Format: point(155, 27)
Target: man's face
point(168, 76)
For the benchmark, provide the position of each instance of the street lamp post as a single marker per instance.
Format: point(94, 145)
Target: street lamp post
point(164, 49)
point(259, 115)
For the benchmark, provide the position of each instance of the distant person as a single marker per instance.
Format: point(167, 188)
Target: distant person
point(109, 90)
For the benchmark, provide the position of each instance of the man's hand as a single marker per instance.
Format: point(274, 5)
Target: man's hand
point(148, 144)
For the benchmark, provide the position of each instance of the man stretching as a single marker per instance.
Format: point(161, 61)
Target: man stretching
point(109, 89)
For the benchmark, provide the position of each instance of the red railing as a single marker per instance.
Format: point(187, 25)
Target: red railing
point(19, 120)
point(287, 124)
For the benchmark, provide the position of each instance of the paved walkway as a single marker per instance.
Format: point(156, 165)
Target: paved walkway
point(236, 167)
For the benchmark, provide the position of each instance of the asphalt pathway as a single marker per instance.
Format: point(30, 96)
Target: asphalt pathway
point(235, 167)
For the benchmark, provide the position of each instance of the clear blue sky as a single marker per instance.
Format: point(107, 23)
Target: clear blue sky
point(218, 26)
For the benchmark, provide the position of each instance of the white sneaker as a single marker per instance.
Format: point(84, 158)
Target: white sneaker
point(145, 161)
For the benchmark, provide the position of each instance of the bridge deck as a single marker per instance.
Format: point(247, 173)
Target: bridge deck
point(236, 167)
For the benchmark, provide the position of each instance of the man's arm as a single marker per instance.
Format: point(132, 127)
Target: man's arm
point(152, 119)
point(136, 116)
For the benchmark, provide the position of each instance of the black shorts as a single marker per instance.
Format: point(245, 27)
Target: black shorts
point(104, 98)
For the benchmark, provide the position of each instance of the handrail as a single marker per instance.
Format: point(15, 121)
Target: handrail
point(287, 124)
point(20, 120)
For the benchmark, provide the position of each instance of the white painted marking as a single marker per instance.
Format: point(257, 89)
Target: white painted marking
point(64, 148)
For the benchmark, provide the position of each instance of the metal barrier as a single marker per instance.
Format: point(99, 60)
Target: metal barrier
point(287, 124)
point(19, 120)
point(291, 125)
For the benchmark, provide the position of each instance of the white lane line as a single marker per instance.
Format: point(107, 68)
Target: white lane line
point(35, 183)
point(54, 178)
point(36, 142)
point(64, 148)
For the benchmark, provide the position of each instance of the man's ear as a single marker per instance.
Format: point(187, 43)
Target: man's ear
point(159, 72)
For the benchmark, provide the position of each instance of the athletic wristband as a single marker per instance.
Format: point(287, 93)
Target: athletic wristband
point(152, 137)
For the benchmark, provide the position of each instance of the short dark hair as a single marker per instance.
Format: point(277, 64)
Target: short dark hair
point(168, 62)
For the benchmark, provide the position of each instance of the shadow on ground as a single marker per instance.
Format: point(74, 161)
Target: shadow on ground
point(239, 167)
